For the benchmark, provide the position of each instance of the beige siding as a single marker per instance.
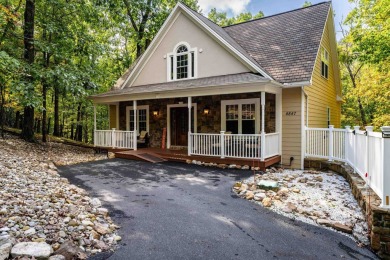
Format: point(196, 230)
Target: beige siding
point(323, 92)
point(291, 129)
point(113, 117)
point(214, 60)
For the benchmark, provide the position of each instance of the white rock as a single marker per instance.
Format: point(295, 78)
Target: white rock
point(86, 223)
point(30, 231)
point(4, 229)
point(103, 211)
point(57, 257)
point(32, 249)
point(95, 202)
point(5, 249)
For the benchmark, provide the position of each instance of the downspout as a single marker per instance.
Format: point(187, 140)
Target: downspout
point(307, 105)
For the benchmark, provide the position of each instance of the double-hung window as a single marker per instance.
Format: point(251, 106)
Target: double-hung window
point(182, 63)
point(324, 63)
point(240, 116)
point(142, 118)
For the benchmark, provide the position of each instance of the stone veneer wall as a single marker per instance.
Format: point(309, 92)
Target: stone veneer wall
point(378, 218)
point(205, 123)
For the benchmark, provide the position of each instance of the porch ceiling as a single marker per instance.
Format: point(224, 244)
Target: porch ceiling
point(226, 84)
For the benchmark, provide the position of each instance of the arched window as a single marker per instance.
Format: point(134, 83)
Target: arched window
point(181, 62)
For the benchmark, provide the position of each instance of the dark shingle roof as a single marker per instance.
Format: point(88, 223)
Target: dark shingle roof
point(188, 84)
point(285, 44)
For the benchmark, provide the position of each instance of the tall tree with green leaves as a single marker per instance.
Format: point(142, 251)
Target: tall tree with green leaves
point(364, 55)
point(222, 19)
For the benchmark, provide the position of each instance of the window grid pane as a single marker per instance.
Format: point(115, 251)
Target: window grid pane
point(182, 49)
point(232, 112)
point(248, 112)
point(141, 122)
point(182, 66)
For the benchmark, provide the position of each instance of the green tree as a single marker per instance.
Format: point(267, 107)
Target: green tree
point(222, 19)
point(306, 4)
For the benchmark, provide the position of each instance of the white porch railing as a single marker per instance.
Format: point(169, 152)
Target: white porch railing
point(114, 139)
point(365, 151)
point(234, 145)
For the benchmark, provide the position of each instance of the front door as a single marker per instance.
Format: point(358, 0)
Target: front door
point(179, 126)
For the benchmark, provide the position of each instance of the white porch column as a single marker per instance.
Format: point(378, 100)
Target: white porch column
point(278, 111)
point(135, 124)
point(262, 143)
point(94, 125)
point(189, 125)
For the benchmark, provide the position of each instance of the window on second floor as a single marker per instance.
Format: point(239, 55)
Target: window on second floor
point(182, 63)
point(324, 63)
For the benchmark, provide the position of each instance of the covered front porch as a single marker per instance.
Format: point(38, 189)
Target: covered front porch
point(240, 121)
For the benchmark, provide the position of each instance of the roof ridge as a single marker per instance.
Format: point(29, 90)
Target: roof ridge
point(269, 16)
point(199, 12)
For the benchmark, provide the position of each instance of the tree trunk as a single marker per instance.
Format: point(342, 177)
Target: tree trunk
point(28, 122)
point(17, 120)
point(71, 131)
point(48, 125)
point(56, 111)
point(79, 126)
point(2, 112)
point(44, 98)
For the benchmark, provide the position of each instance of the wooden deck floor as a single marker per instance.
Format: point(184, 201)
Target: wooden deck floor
point(151, 155)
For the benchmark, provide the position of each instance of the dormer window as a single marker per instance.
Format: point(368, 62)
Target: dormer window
point(181, 62)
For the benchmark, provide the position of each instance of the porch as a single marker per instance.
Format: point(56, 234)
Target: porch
point(157, 155)
point(232, 120)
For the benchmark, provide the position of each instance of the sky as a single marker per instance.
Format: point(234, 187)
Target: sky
point(270, 7)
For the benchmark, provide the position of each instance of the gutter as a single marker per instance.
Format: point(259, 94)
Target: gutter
point(297, 84)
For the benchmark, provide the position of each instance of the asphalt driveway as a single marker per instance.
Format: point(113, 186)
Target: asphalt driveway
point(179, 211)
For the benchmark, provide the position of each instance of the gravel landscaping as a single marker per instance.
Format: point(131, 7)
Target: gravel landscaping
point(42, 214)
point(318, 198)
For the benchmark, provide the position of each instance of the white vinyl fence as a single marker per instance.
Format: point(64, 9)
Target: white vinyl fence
point(367, 152)
point(223, 145)
point(114, 139)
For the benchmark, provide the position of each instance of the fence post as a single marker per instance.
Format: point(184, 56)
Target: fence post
point(346, 143)
point(368, 129)
point(330, 142)
point(113, 138)
point(386, 167)
point(356, 129)
point(222, 140)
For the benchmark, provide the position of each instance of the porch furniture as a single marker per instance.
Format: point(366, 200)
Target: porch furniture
point(143, 139)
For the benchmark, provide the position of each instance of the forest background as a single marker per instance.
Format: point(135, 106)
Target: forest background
point(55, 53)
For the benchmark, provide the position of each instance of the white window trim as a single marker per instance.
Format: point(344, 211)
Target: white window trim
point(241, 102)
point(129, 109)
point(324, 58)
point(174, 55)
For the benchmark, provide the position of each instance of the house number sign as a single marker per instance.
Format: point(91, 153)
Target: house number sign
point(291, 113)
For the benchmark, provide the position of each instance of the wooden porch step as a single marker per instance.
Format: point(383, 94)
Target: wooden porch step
point(143, 156)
